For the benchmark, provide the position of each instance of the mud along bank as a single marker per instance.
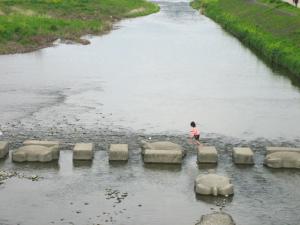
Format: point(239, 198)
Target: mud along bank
point(269, 27)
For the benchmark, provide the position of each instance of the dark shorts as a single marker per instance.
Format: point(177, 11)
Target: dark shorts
point(197, 137)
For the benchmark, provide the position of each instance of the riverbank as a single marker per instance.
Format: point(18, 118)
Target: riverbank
point(30, 25)
point(270, 27)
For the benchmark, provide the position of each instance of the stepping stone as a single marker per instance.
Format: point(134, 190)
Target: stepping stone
point(118, 152)
point(160, 145)
point(213, 184)
point(281, 149)
point(163, 156)
point(83, 151)
point(207, 154)
point(33, 153)
point(283, 160)
point(243, 156)
point(54, 145)
point(217, 218)
point(3, 149)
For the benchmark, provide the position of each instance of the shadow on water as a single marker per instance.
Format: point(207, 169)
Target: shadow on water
point(213, 199)
point(163, 167)
point(36, 165)
point(117, 164)
point(207, 166)
point(83, 163)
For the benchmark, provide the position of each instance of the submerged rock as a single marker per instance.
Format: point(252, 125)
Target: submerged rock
point(218, 218)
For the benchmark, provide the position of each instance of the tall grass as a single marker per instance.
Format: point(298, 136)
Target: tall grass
point(271, 27)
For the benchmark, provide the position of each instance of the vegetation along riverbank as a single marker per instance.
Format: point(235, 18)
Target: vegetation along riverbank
point(26, 25)
point(271, 27)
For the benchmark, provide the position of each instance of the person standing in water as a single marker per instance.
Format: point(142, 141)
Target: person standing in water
point(194, 134)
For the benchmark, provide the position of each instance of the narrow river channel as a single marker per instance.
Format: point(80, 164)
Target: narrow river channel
point(149, 77)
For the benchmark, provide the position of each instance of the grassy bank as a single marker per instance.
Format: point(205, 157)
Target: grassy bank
point(26, 25)
point(271, 27)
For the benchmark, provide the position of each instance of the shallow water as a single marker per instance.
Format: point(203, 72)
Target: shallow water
point(149, 77)
point(154, 74)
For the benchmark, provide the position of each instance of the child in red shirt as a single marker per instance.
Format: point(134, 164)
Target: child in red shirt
point(194, 134)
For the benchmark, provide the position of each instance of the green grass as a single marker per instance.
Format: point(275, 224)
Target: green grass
point(31, 24)
point(271, 27)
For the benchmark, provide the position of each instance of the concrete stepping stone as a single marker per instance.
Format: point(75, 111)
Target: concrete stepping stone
point(160, 145)
point(284, 159)
point(33, 153)
point(207, 154)
point(4, 148)
point(118, 152)
point(83, 151)
point(281, 149)
point(213, 184)
point(243, 156)
point(54, 145)
point(217, 218)
point(163, 156)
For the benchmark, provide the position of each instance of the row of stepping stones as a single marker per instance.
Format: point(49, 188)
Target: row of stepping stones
point(46, 151)
point(156, 152)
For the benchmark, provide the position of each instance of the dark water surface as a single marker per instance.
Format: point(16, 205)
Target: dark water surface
point(150, 77)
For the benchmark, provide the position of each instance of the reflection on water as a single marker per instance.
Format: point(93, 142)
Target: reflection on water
point(154, 75)
point(152, 194)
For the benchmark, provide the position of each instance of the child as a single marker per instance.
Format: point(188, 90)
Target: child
point(194, 133)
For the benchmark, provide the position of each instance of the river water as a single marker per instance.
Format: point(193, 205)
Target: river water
point(149, 77)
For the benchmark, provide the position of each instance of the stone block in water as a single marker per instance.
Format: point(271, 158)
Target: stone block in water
point(281, 149)
point(83, 151)
point(207, 154)
point(283, 160)
point(213, 184)
point(160, 145)
point(3, 149)
point(243, 156)
point(163, 156)
point(118, 152)
point(217, 218)
point(54, 145)
point(33, 153)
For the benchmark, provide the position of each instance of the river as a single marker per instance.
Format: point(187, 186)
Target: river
point(150, 76)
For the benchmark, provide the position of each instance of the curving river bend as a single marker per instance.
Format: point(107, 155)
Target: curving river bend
point(151, 76)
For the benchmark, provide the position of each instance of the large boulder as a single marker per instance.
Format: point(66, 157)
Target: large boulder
point(283, 160)
point(3, 149)
point(213, 184)
point(54, 145)
point(33, 153)
point(217, 218)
